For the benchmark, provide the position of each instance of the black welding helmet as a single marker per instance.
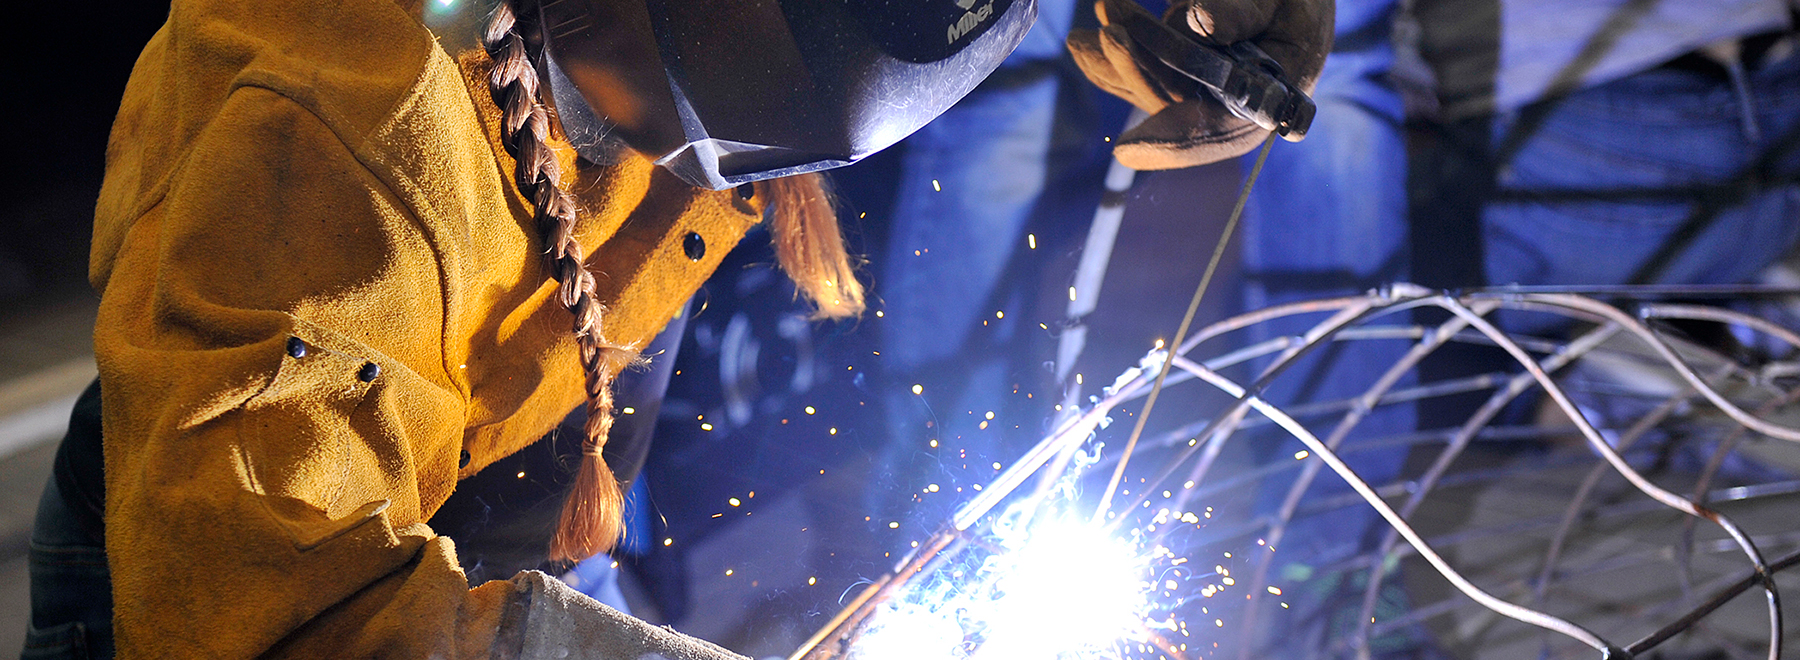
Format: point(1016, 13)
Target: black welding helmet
point(725, 92)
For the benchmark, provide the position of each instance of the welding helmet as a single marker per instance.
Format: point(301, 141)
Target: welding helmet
point(725, 92)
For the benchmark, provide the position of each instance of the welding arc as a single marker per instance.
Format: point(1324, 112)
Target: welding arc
point(1162, 373)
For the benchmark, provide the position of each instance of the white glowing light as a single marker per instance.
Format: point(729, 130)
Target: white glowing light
point(1064, 589)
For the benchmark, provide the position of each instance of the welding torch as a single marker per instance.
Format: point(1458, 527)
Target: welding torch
point(1250, 83)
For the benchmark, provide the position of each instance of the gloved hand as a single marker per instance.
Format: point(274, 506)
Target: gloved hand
point(1183, 132)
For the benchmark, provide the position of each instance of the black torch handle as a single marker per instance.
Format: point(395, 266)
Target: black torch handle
point(1251, 84)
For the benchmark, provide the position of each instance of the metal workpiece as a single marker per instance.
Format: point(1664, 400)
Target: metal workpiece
point(1618, 490)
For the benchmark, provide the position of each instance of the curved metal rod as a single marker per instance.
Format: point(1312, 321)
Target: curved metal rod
point(1681, 367)
point(1638, 429)
point(1137, 388)
point(1705, 313)
point(1215, 444)
point(1606, 451)
point(1674, 627)
point(1684, 550)
point(1488, 411)
point(1266, 314)
point(1373, 303)
point(1374, 500)
point(1361, 407)
point(1727, 587)
point(1592, 480)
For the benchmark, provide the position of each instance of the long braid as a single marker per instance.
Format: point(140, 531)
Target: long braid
point(590, 517)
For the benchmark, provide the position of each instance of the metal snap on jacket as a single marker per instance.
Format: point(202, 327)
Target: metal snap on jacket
point(296, 347)
point(368, 372)
point(463, 460)
point(694, 246)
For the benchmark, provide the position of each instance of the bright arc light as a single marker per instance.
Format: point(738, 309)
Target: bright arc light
point(1070, 587)
point(1064, 590)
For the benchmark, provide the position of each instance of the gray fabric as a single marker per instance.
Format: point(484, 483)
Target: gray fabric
point(554, 622)
point(1499, 55)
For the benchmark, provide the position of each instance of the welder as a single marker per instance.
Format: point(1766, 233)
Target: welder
point(345, 264)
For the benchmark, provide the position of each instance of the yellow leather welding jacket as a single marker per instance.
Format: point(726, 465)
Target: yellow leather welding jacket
point(323, 303)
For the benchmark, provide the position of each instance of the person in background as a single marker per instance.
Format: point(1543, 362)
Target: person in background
point(1551, 143)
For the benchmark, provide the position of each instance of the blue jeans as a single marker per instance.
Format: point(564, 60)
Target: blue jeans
point(71, 586)
point(1648, 179)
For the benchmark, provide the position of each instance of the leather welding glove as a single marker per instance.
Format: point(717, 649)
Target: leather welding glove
point(1181, 131)
point(546, 619)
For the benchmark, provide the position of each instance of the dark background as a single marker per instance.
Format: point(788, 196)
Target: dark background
point(69, 65)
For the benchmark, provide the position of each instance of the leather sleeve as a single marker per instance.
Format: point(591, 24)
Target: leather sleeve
point(270, 347)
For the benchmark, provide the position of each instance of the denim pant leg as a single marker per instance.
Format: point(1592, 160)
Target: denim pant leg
point(1649, 179)
point(71, 587)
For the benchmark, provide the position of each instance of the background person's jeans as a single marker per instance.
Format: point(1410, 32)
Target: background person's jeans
point(1648, 179)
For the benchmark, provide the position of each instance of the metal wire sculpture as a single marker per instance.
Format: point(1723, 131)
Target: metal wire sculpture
point(1615, 399)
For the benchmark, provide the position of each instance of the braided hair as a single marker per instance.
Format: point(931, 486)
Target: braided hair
point(590, 517)
point(807, 239)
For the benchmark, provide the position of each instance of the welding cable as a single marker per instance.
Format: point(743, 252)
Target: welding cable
point(1187, 320)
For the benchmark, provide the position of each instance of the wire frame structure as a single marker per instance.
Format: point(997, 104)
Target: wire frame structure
point(1614, 490)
